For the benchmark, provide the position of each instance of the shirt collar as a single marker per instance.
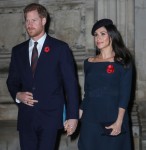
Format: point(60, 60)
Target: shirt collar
point(40, 41)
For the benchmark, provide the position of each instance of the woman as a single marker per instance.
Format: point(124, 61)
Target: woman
point(108, 78)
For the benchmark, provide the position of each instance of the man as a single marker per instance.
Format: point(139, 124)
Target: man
point(40, 69)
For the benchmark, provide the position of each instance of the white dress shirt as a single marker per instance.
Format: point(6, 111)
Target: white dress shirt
point(39, 48)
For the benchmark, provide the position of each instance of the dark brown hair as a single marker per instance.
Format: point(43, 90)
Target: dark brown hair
point(122, 53)
point(39, 8)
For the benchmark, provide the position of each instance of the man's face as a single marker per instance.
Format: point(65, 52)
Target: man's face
point(34, 24)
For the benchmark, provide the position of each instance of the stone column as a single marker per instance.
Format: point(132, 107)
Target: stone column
point(122, 14)
point(140, 58)
point(12, 32)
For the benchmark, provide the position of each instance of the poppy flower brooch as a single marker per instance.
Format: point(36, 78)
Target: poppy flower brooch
point(110, 69)
point(46, 49)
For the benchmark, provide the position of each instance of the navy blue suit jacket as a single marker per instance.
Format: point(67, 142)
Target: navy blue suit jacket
point(55, 72)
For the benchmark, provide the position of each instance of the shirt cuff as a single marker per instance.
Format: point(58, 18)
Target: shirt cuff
point(17, 101)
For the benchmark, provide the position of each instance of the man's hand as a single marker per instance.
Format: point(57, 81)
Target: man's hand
point(70, 126)
point(26, 98)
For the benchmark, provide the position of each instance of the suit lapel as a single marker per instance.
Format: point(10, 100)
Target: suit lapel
point(25, 59)
point(44, 48)
point(44, 53)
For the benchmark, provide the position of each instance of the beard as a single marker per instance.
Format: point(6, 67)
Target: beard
point(32, 32)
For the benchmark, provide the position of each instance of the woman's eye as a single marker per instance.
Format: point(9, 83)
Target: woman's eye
point(103, 33)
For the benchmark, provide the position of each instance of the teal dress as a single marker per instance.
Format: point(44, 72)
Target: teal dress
point(107, 88)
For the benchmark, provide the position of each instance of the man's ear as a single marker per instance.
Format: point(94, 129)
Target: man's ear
point(44, 21)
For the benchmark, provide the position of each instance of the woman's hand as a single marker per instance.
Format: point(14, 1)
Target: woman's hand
point(80, 113)
point(65, 125)
point(116, 128)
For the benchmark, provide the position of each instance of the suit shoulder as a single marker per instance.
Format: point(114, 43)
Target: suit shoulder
point(20, 46)
point(58, 42)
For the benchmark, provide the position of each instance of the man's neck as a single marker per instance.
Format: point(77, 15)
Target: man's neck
point(38, 37)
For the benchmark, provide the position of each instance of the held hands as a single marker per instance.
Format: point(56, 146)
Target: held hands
point(116, 128)
point(26, 98)
point(70, 126)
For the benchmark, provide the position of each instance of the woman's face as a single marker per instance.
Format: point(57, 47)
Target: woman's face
point(102, 39)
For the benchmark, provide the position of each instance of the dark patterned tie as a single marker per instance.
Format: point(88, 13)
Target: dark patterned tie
point(34, 57)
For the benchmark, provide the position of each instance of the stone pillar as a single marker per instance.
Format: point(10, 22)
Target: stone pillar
point(122, 14)
point(135, 122)
point(140, 55)
point(12, 32)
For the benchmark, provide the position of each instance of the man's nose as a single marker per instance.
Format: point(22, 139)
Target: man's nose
point(29, 23)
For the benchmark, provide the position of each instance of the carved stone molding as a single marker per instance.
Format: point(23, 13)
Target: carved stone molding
point(15, 3)
point(4, 61)
point(136, 125)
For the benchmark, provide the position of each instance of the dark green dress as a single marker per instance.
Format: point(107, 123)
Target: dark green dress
point(107, 87)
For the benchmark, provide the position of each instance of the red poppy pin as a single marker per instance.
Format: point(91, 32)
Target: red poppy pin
point(47, 49)
point(110, 69)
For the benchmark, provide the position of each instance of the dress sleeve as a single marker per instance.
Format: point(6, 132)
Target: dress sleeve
point(125, 87)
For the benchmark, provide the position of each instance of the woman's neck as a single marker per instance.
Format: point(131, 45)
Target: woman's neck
point(106, 55)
